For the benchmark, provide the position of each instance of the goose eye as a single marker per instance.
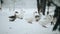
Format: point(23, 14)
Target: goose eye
point(16, 12)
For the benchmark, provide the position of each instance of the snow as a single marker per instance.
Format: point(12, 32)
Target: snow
point(57, 2)
point(21, 26)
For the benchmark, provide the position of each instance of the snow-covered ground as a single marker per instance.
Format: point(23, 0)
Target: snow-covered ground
point(21, 26)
